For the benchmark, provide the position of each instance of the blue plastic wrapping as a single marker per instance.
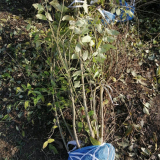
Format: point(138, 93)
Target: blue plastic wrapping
point(105, 151)
point(112, 17)
point(126, 7)
point(108, 16)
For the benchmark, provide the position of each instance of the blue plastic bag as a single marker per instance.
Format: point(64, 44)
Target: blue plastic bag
point(101, 152)
point(111, 17)
point(126, 7)
point(108, 16)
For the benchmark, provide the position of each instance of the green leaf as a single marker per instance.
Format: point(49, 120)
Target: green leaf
point(41, 16)
point(112, 32)
point(74, 56)
point(23, 133)
point(91, 113)
point(58, 7)
point(118, 12)
point(48, 16)
point(39, 7)
point(45, 144)
point(28, 86)
point(67, 18)
point(40, 97)
point(99, 28)
point(108, 47)
point(77, 73)
point(94, 141)
point(113, 10)
point(108, 39)
point(35, 100)
point(50, 140)
point(92, 43)
point(85, 6)
point(5, 117)
point(96, 74)
point(37, 92)
point(77, 84)
point(24, 87)
point(80, 126)
point(85, 55)
point(78, 47)
point(26, 104)
point(86, 39)
point(29, 92)
point(17, 128)
point(28, 27)
point(53, 148)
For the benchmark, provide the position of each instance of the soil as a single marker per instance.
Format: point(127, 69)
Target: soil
point(20, 140)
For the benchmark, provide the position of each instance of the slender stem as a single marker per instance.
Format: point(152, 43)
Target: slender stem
point(84, 98)
point(55, 109)
point(74, 117)
point(101, 111)
point(60, 129)
point(95, 115)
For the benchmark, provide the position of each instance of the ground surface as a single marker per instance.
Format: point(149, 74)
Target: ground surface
point(20, 140)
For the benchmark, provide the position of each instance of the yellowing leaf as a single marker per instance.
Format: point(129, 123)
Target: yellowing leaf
point(50, 140)
point(5, 20)
point(18, 89)
point(26, 104)
point(45, 144)
point(158, 71)
point(129, 130)
point(67, 18)
point(94, 141)
point(114, 79)
point(49, 104)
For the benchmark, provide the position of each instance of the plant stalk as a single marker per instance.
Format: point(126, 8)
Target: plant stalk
point(84, 98)
point(101, 111)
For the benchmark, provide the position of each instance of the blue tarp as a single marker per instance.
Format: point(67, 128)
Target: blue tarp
point(102, 152)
